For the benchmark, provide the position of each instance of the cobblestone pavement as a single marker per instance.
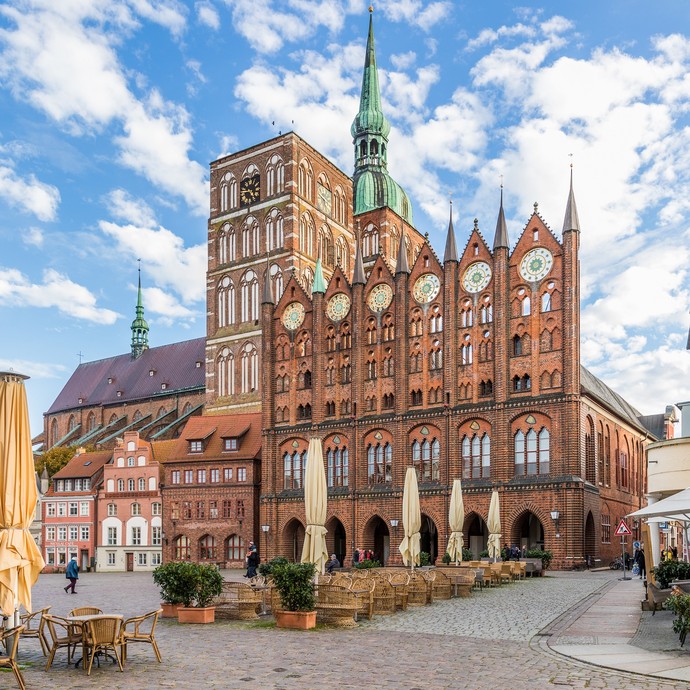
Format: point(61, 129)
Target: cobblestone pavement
point(446, 649)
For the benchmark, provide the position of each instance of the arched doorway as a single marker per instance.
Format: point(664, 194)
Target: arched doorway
point(477, 534)
point(528, 532)
point(293, 540)
point(377, 537)
point(590, 536)
point(336, 540)
point(429, 537)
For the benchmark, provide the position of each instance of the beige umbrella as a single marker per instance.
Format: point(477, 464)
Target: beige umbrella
point(20, 559)
point(456, 517)
point(315, 497)
point(412, 520)
point(494, 525)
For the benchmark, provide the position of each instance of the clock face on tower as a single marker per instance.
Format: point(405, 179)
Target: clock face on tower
point(250, 188)
point(536, 264)
point(338, 307)
point(426, 287)
point(293, 316)
point(324, 199)
point(477, 276)
point(380, 297)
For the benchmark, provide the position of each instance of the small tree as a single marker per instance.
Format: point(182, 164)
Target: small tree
point(295, 585)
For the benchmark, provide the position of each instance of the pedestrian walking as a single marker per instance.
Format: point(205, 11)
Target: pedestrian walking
point(72, 574)
point(252, 560)
point(640, 561)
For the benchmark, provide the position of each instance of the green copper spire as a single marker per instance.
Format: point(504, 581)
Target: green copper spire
point(319, 284)
point(372, 185)
point(140, 329)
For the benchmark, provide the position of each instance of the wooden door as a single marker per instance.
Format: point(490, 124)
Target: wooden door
point(130, 562)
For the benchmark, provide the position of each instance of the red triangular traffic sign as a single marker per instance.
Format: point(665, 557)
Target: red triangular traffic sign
point(622, 529)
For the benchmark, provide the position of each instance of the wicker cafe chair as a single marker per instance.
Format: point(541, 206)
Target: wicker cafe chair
point(62, 633)
point(384, 596)
point(417, 590)
point(10, 639)
point(400, 581)
point(442, 587)
point(142, 630)
point(102, 634)
point(363, 589)
point(38, 632)
point(86, 611)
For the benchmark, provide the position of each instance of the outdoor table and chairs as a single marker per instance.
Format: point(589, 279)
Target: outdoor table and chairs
point(10, 639)
point(34, 627)
point(102, 634)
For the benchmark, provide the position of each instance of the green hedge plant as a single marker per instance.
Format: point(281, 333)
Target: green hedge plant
point(668, 571)
point(266, 569)
point(366, 565)
point(295, 585)
point(187, 583)
point(680, 605)
point(546, 557)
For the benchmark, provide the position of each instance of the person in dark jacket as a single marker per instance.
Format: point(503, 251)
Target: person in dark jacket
point(252, 560)
point(72, 574)
point(640, 560)
point(332, 564)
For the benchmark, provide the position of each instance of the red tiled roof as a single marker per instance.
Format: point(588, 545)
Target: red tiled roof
point(84, 465)
point(174, 365)
point(246, 427)
point(163, 450)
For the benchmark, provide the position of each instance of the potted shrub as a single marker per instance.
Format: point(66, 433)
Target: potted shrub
point(679, 603)
point(167, 577)
point(199, 585)
point(295, 585)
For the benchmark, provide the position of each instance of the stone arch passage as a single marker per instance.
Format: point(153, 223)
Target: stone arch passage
point(476, 533)
point(528, 531)
point(377, 538)
point(293, 540)
point(429, 537)
point(336, 539)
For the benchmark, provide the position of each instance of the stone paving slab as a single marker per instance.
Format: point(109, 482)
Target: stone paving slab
point(243, 655)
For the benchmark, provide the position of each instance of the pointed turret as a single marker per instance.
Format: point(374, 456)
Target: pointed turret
point(401, 265)
point(571, 220)
point(501, 236)
point(140, 329)
point(373, 187)
point(319, 284)
point(268, 288)
point(451, 253)
point(358, 276)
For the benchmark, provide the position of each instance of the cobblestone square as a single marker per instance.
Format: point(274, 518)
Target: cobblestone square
point(445, 645)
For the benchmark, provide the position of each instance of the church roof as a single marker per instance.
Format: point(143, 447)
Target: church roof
point(597, 389)
point(174, 365)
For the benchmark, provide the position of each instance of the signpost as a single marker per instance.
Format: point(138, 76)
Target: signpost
point(623, 531)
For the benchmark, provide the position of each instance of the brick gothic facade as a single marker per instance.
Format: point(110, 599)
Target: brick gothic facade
point(466, 368)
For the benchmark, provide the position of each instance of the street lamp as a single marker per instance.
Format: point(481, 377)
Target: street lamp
point(265, 529)
point(555, 516)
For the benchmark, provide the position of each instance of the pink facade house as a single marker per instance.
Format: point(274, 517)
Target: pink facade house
point(129, 529)
point(70, 511)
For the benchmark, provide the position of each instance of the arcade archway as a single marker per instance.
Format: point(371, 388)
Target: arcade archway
point(528, 532)
point(477, 534)
point(336, 539)
point(377, 538)
point(293, 540)
point(429, 537)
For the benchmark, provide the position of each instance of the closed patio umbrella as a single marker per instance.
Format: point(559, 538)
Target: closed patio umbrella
point(494, 525)
point(412, 520)
point(315, 497)
point(20, 559)
point(456, 518)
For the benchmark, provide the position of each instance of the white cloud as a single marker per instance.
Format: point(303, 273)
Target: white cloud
point(61, 58)
point(168, 13)
point(268, 25)
point(228, 144)
point(125, 207)
point(415, 12)
point(164, 257)
point(208, 15)
point(403, 61)
point(33, 237)
point(56, 290)
point(157, 301)
point(36, 370)
point(29, 194)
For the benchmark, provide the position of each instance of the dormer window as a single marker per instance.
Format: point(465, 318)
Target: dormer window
point(196, 446)
point(197, 365)
point(119, 394)
point(164, 386)
point(152, 372)
point(231, 443)
point(81, 400)
point(110, 379)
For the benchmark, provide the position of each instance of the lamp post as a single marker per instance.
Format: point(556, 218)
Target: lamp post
point(394, 525)
point(265, 529)
point(555, 516)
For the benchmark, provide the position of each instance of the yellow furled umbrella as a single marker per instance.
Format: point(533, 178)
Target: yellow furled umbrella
point(412, 520)
point(456, 518)
point(20, 559)
point(494, 525)
point(315, 497)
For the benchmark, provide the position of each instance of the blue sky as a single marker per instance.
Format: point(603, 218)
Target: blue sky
point(113, 109)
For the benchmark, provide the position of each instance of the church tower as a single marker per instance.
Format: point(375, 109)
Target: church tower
point(140, 329)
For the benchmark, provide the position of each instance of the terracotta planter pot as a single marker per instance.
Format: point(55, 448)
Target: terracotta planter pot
point(196, 615)
point(297, 620)
point(169, 610)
